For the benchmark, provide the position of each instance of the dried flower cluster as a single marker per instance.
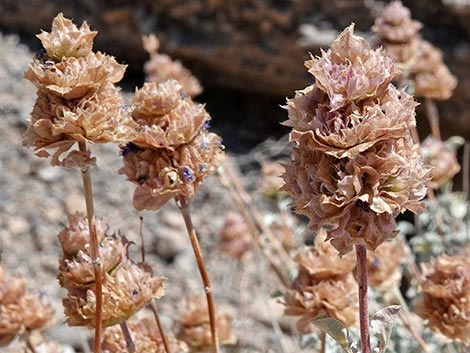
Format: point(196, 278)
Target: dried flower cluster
point(77, 100)
point(384, 265)
point(161, 67)
point(354, 164)
point(398, 34)
point(193, 324)
point(324, 285)
point(234, 237)
point(20, 311)
point(442, 159)
point(173, 151)
point(445, 293)
point(146, 337)
point(421, 61)
point(127, 286)
point(430, 75)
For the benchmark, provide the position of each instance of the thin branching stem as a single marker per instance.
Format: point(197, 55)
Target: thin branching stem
point(252, 228)
point(405, 319)
point(361, 255)
point(257, 217)
point(142, 245)
point(323, 342)
point(127, 337)
point(153, 306)
point(29, 344)
point(95, 255)
point(184, 208)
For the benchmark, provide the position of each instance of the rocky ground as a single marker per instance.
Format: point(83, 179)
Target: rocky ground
point(36, 198)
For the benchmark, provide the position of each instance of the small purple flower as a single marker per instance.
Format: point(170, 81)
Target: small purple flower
point(207, 125)
point(188, 174)
point(202, 167)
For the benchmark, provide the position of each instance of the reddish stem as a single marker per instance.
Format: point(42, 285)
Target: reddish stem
point(184, 208)
point(361, 255)
point(153, 306)
point(95, 255)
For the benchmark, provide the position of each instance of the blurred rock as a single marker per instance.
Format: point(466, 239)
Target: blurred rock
point(18, 225)
point(171, 238)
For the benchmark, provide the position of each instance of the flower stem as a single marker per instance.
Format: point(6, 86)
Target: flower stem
point(323, 342)
point(361, 255)
point(183, 206)
point(433, 118)
point(160, 328)
point(95, 255)
point(127, 337)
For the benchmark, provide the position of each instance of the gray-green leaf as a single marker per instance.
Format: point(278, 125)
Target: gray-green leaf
point(334, 328)
point(381, 324)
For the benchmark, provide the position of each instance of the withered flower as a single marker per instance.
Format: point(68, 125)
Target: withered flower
point(442, 159)
point(161, 67)
point(322, 260)
point(146, 337)
point(166, 116)
point(421, 61)
point(127, 286)
point(125, 291)
point(324, 285)
point(354, 164)
point(193, 324)
point(66, 39)
point(398, 33)
point(431, 77)
point(234, 237)
point(350, 71)
point(161, 174)
point(383, 265)
point(76, 98)
point(75, 236)
point(445, 290)
point(336, 297)
point(20, 311)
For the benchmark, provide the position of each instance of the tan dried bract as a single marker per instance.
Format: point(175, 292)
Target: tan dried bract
point(442, 159)
point(66, 39)
point(166, 116)
point(161, 67)
point(335, 297)
point(76, 236)
point(351, 71)
point(354, 164)
point(162, 174)
point(395, 24)
point(125, 291)
point(146, 337)
point(127, 286)
point(384, 265)
point(20, 311)
point(322, 261)
point(445, 290)
point(76, 98)
point(193, 324)
point(234, 237)
point(432, 78)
